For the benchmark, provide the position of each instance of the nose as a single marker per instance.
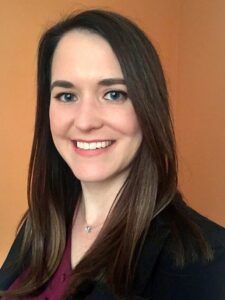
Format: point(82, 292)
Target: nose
point(88, 115)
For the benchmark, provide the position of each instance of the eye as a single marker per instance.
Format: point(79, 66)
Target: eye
point(116, 95)
point(65, 97)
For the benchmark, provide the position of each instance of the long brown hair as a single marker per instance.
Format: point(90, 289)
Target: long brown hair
point(53, 190)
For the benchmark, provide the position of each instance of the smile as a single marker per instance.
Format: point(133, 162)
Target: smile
point(93, 145)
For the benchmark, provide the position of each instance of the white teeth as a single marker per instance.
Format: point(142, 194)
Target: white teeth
point(93, 146)
point(86, 146)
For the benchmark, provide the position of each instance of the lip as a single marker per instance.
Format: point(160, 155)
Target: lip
point(92, 141)
point(92, 152)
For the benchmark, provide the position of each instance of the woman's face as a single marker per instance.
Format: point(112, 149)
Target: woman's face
point(93, 122)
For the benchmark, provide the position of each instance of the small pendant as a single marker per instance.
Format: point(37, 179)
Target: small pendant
point(88, 229)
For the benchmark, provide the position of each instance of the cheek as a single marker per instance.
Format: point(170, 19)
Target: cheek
point(127, 123)
point(59, 120)
point(53, 121)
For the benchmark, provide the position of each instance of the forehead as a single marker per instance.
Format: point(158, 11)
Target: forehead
point(84, 53)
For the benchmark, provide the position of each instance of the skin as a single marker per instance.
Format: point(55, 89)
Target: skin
point(85, 106)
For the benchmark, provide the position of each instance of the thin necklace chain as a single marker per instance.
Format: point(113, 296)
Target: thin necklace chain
point(87, 228)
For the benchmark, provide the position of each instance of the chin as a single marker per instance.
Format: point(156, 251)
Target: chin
point(93, 179)
point(91, 176)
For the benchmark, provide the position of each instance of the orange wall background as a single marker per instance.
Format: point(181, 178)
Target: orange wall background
point(200, 106)
point(189, 36)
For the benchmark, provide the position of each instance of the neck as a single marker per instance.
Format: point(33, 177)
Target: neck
point(98, 198)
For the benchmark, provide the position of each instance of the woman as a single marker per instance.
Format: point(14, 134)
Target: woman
point(105, 218)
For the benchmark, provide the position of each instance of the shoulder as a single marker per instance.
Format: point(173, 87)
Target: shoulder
point(10, 268)
point(196, 280)
point(213, 231)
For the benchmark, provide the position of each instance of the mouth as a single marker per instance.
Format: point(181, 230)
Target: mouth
point(94, 145)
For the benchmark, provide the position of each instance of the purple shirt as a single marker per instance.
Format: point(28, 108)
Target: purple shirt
point(59, 282)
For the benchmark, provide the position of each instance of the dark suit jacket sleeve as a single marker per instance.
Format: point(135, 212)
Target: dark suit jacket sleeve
point(205, 284)
point(9, 270)
point(198, 281)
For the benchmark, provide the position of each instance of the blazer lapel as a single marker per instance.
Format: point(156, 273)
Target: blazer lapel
point(148, 261)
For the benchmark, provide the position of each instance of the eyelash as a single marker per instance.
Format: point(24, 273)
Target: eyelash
point(60, 95)
point(123, 96)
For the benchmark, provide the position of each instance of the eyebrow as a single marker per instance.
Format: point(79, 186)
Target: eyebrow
point(61, 83)
point(111, 81)
point(104, 82)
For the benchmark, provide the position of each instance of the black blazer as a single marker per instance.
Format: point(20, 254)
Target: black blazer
point(156, 277)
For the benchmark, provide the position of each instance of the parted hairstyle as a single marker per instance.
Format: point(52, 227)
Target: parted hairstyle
point(150, 188)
